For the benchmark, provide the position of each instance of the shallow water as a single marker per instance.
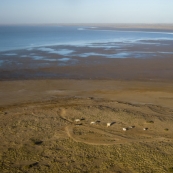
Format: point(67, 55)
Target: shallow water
point(28, 37)
point(10, 54)
point(44, 46)
point(36, 57)
point(53, 51)
point(1, 62)
point(64, 59)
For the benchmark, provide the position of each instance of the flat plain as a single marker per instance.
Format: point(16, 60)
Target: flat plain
point(39, 133)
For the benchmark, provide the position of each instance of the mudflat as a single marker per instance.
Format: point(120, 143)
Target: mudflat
point(147, 60)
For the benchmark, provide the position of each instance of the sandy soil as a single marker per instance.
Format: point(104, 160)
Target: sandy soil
point(38, 132)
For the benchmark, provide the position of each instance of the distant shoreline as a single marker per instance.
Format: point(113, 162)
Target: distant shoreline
point(149, 27)
point(106, 25)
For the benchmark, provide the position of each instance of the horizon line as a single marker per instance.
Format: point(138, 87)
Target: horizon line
point(93, 23)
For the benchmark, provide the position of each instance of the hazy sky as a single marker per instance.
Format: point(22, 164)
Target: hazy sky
point(85, 11)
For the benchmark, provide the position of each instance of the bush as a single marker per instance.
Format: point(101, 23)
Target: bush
point(150, 121)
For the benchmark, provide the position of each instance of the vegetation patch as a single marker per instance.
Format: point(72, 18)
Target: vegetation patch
point(33, 164)
point(36, 141)
point(170, 169)
point(150, 121)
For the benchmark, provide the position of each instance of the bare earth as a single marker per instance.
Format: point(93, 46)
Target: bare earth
point(38, 132)
point(40, 100)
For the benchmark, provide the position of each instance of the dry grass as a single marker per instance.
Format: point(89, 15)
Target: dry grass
point(42, 137)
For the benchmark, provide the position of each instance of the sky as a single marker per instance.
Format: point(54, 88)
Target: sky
point(85, 11)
